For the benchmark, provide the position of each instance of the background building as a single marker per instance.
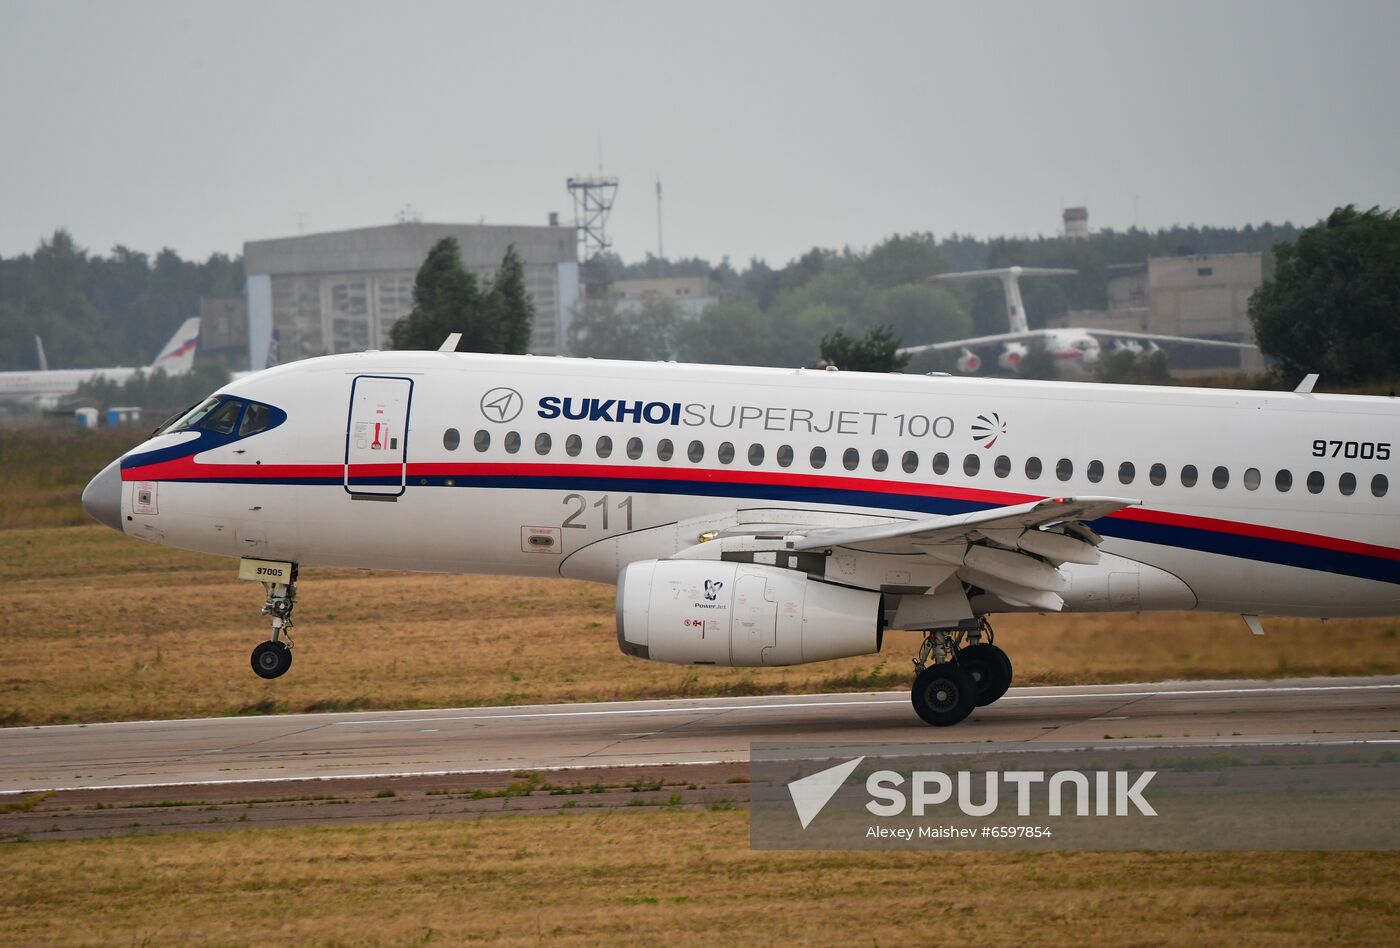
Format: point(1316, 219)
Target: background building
point(223, 331)
point(690, 294)
point(342, 291)
point(1204, 295)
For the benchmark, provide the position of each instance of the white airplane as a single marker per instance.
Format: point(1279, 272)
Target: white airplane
point(47, 387)
point(1075, 351)
point(761, 517)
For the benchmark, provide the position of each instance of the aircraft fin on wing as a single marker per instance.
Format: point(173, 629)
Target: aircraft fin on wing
point(177, 357)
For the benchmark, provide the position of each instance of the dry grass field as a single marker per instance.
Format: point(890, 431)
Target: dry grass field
point(664, 877)
point(43, 471)
point(102, 627)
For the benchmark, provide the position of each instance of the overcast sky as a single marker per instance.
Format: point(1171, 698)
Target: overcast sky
point(773, 126)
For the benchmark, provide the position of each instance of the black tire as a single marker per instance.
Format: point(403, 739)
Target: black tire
point(272, 659)
point(990, 669)
point(943, 694)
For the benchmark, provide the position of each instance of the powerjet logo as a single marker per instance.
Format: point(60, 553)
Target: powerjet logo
point(1036, 792)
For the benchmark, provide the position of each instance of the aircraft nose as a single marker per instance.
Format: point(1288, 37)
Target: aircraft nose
point(102, 498)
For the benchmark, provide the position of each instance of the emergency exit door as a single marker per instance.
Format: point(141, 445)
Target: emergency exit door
point(376, 441)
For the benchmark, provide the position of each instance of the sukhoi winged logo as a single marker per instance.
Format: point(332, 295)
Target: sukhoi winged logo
point(501, 405)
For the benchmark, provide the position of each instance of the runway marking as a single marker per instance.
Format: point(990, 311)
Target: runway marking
point(901, 699)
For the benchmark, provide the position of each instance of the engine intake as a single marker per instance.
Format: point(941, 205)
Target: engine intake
point(690, 612)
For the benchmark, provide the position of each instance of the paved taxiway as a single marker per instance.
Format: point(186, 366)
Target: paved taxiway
point(330, 746)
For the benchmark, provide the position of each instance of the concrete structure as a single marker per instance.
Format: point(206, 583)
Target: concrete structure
point(343, 291)
point(1076, 222)
point(223, 331)
point(1204, 295)
point(690, 294)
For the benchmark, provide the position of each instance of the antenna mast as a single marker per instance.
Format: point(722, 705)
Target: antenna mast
point(593, 201)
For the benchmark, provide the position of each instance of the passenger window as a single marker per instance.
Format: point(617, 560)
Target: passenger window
point(634, 448)
point(1347, 484)
point(1283, 481)
point(755, 454)
point(512, 442)
point(1188, 476)
point(603, 447)
point(1379, 485)
point(543, 442)
point(785, 456)
point(725, 453)
point(910, 462)
point(880, 459)
point(1251, 478)
point(850, 459)
point(1033, 468)
point(1094, 471)
point(1316, 482)
point(1157, 474)
point(940, 463)
point(223, 418)
point(573, 445)
point(451, 438)
point(482, 440)
point(257, 417)
point(1220, 477)
point(818, 458)
point(664, 449)
point(1064, 469)
point(696, 452)
point(971, 465)
point(1126, 472)
point(1001, 466)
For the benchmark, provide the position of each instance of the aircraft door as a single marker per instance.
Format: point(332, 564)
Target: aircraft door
point(376, 438)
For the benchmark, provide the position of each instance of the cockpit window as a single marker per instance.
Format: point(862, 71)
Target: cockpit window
point(255, 418)
point(220, 415)
point(222, 419)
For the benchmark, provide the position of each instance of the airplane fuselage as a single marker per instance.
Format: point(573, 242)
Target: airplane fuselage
point(465, 463)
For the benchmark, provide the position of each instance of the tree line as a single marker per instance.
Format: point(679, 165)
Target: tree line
point(93, 310)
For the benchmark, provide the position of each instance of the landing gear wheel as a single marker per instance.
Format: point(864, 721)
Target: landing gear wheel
point(272, 659)
point(944, 694)
point(990, 669)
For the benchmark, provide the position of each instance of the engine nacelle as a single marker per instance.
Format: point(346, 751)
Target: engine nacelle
point(968, 363)
point(1012, 356)
point(692, 612)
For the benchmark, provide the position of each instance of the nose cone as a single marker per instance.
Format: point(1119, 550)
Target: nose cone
point(102, 498)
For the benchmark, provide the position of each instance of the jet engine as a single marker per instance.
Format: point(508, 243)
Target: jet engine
point(968, 362)
point(691, 612)
point(1011, 356)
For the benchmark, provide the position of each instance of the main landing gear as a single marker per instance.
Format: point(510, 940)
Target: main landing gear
point(967, 673)
point(272, 658)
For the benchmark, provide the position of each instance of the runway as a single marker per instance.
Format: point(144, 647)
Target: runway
point(686, 731)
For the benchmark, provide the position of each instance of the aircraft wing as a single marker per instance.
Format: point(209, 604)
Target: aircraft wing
point(914, 535)
point(973, 342)
point(1157, 337)
point(1017, 271)
point(1013, 552)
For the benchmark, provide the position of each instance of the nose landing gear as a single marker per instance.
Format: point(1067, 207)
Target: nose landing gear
point(272, 658)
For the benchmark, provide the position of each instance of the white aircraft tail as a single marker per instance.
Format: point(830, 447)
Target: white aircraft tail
point(177, 357)
point(1010, 277)
point(43, 359)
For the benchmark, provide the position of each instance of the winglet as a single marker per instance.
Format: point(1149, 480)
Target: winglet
point(1305, 387)
point(450, 343)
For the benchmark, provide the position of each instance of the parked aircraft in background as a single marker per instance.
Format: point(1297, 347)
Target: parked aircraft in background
point(767, 517)
point(1075, 351)
point(46, 388)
